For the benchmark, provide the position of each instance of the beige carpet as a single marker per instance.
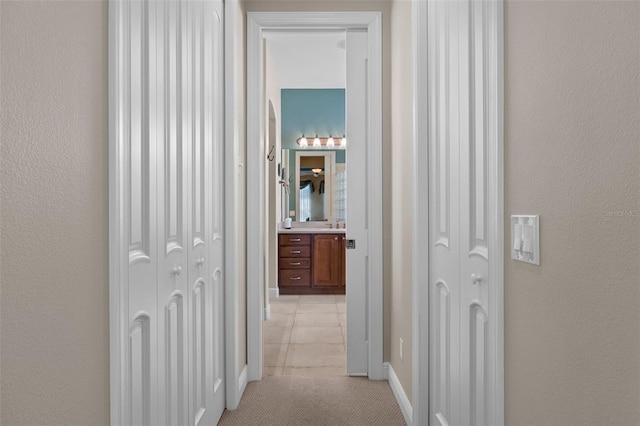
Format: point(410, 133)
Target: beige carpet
point(292, 400)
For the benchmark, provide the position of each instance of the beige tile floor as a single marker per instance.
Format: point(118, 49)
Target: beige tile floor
point(306, 336)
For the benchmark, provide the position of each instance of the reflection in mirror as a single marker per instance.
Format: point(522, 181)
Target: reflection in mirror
point(314, 175)
point(315, 189)
point(312, 206)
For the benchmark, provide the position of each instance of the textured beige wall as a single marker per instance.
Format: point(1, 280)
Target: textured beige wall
point(54, 246)
point(361, 6)
point(401, 191)
point(572, 152)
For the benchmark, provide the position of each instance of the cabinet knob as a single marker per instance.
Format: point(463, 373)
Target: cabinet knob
point(177, 270)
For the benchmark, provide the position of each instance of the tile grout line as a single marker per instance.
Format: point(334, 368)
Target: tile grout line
point(286, 352)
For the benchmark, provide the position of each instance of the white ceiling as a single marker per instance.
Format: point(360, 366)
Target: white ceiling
point(308, 60)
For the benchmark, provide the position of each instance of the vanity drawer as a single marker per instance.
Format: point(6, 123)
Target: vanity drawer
point(294, 278)
point(295, 263)
point(294, 251)
point(295, 239)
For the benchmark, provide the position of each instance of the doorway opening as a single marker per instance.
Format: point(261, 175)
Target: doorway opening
point(363, 300)
point(304, 327)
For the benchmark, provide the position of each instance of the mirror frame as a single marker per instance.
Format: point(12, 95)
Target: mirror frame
point(329, 170)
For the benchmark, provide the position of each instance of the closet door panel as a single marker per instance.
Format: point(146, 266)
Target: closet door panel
point(199, 216)
point(214, 126)
point(444, 213)
point(139, 200)
point(172, 223)
point(479, 141)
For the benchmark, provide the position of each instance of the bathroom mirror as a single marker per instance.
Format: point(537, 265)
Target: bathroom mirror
point(314, 173)
point(317, 185)
point(314, 183)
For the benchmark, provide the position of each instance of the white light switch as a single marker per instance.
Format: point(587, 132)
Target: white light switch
point(525, 238)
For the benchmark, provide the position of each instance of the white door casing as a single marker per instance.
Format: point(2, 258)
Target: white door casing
point(166, 203)
point(371, 245)
point(462, 101)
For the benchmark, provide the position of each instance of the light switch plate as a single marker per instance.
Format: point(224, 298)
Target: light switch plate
point(525, 238)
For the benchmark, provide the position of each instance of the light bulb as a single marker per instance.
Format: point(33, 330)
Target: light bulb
point(303, 142)
point(330, 142)
point(343, 142)
point(316, 142)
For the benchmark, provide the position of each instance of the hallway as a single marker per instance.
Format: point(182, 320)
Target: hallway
point(305, 337)
point(288, 400)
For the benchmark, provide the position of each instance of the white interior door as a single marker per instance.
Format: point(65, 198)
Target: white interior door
point(464, 213)
point(167, 200)
point(357, 206)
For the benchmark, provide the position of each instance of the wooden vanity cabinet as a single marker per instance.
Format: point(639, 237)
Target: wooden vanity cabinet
point(328, 260)
point(311, 263)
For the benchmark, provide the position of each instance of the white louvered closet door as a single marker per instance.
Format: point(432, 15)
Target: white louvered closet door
point(169, 121)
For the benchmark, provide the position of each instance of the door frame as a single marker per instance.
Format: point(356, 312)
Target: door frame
point(256, 23)
point(235, 382)
point(494, 33)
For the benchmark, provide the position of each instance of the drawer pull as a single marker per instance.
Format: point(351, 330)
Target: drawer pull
point(295, 239)
point(295, 263)
point(295, 278)
point(295, 252)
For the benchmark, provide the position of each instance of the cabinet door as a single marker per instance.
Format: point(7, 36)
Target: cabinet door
point(328, 260)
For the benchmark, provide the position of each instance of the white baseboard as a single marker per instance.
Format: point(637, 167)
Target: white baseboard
point(242, 382)
point(401, 396)
point(274, 292)
point(267, 312)
point(234, 400)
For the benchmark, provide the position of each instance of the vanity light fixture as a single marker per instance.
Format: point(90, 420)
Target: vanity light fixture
point(330, 142)
point(316, 172)
point(303, 142)
point(322, 142)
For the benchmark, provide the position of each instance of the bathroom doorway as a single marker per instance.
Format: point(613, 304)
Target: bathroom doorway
point(305, 78)
point(363, 301)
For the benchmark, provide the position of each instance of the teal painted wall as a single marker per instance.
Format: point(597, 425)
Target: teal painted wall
point(311, 112)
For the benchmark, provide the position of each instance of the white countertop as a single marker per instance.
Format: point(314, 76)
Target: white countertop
point(306, 230)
